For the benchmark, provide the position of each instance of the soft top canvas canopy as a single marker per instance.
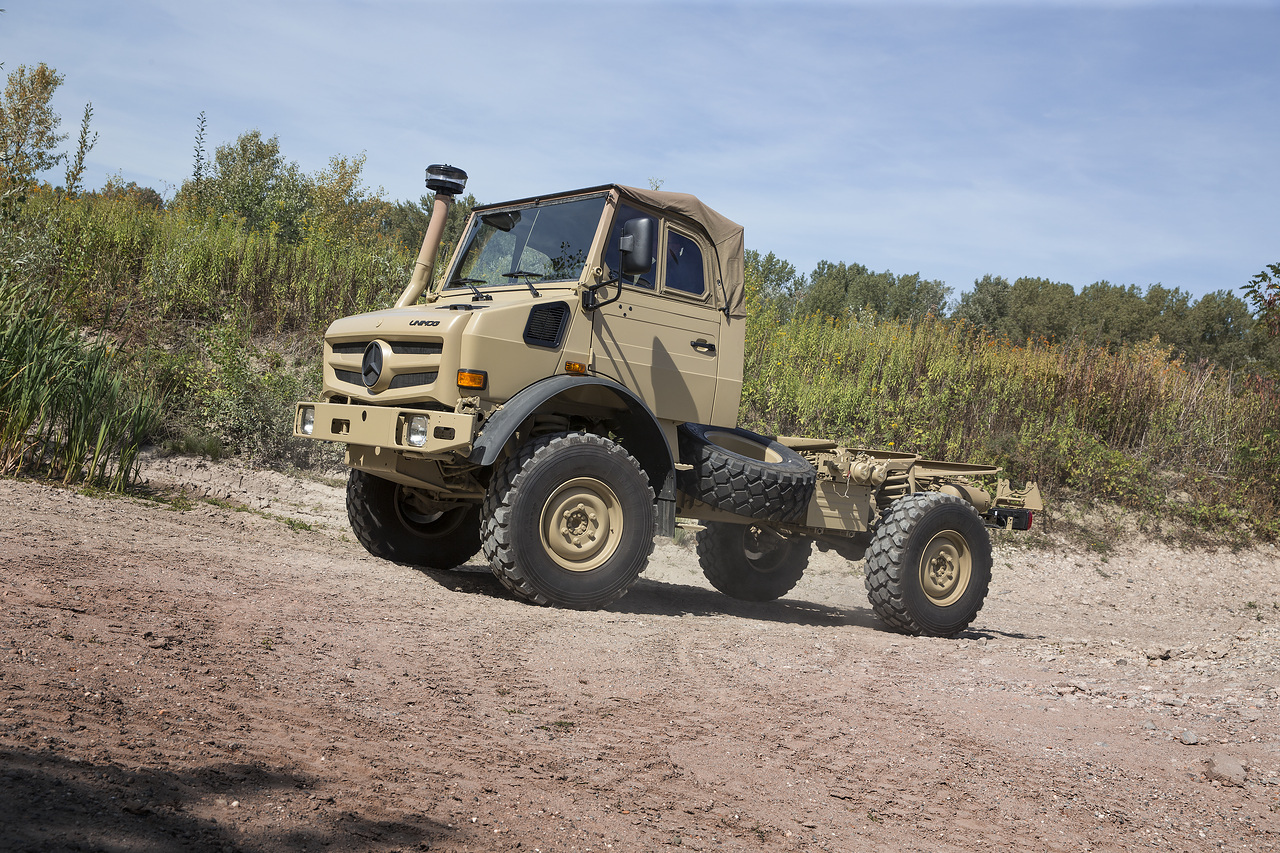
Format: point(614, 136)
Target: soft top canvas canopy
point(725, 234)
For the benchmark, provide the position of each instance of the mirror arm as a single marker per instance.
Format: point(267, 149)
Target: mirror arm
point(589, 302)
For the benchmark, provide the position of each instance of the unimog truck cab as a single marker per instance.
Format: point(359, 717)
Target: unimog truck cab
point(569, 388)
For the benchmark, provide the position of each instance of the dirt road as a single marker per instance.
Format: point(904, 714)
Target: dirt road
point(207, 678)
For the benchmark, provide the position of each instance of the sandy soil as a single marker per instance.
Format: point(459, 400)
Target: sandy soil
point(244, 677)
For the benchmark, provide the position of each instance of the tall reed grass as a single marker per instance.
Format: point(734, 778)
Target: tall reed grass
point(65, 411)
point(1133, 425)
point(129, 264)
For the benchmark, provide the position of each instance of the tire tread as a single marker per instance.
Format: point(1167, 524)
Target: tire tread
point(504, 491)
point(886, 572)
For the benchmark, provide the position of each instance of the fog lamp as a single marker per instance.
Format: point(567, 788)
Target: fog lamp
point(307, 424)
point(416, 434)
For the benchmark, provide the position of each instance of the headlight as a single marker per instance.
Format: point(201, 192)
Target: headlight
point(308, 423)
point(416, 434)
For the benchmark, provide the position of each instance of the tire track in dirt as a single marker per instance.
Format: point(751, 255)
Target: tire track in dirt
point(214, 679)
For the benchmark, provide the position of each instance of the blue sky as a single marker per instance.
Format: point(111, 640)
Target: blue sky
point(1137, 142)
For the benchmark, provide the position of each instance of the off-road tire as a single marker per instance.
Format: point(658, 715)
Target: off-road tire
point(929, 565)
point(569, 520)
point(388, 527)
point(743, 473)
point(750, 562)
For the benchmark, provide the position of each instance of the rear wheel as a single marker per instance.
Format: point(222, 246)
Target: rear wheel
point(750, 562)
point(929, 565)
point(569, 520)
point(398, 523)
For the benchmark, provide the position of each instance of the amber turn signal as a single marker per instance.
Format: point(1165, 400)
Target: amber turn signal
point(476, 379)
point(575, 367)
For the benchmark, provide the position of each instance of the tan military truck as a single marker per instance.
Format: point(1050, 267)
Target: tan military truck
point(569, 388)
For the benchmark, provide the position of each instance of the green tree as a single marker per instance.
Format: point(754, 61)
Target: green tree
point(826, 291)
point(1222, 330)
point(195, 187)
point(29, 135)
point(250, 180)
point(841, 289)
point(866, 293)
point(1168, 315)
point(770, 281)
point(987, 305)
point(1110, 314)
point(1041, 308)
point(340, 205)
point(406, 222)
point(1263, 291)
point(910, 297)
point(141, 196)
point(75, 166)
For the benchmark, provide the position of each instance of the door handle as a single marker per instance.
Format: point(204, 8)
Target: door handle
point(703, 346)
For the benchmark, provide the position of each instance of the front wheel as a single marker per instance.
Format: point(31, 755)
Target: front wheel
point(929, 565)
point(401, 524)
point(569, 520)
point(750, 562)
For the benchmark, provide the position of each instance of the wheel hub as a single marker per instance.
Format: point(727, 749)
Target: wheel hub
point(942, 571)
point(945, 568)
point(581, 524)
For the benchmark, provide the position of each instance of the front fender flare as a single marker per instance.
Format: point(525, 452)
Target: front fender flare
point(644, 438)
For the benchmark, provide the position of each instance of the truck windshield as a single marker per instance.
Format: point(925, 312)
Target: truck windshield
point(546, 242)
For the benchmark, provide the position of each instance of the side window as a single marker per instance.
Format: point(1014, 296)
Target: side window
point(684, 265)
point(613, 258)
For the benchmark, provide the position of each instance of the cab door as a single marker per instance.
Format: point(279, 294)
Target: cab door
point(660, 338)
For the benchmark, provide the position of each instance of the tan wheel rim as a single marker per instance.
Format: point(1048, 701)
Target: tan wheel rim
point(946, 567)
point(581, 524)
point(742, 446)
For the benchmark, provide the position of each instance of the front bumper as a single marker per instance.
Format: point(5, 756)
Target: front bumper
point(439, 433)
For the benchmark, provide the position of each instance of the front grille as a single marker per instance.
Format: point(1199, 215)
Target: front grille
point(416, 348)
point(397, 347)
point(409, 349)
point(408, 380)
point(404, 380)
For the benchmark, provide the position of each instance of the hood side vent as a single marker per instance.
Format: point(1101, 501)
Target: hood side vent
point(546, 325)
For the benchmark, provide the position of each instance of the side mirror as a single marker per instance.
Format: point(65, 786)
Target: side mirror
point(635, 246)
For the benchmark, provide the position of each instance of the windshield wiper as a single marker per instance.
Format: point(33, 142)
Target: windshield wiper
point(528, 279)
point(471, 283)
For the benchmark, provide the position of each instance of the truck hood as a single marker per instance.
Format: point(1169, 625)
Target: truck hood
point(451, 313)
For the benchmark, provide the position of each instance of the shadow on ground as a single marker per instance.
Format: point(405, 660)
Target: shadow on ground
point(657, 598)
point(50, 802)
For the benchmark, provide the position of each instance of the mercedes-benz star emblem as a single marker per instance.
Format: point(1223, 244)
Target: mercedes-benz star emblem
point(371, 365)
